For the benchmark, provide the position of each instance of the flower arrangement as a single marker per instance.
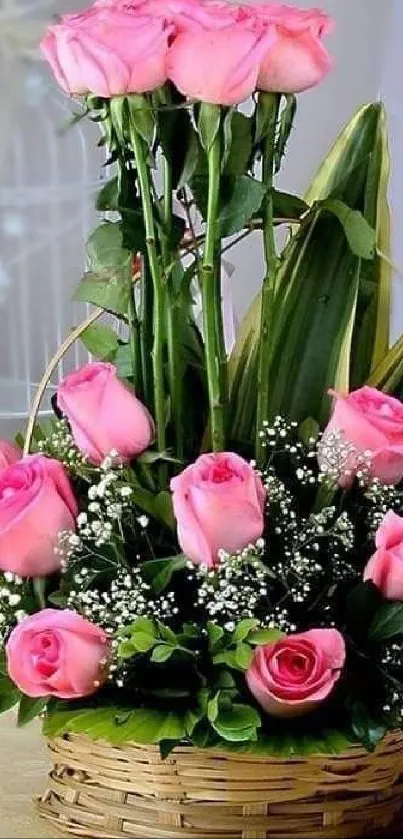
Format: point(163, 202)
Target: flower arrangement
point(205, 546)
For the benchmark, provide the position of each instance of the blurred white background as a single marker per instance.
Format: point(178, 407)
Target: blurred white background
point(48, 179)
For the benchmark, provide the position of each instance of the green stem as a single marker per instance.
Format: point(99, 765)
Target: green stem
point(144, 179)
point(135, 343)
point(173, 323)
point(146, 333)
point(271, 103)
point(210, 290)
point(134, 325)
point(219, 326)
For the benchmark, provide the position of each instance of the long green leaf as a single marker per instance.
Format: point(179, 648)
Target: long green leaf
point(321, 296)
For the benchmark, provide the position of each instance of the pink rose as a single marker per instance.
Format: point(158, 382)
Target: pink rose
point(57, 653)
point(298, 60)
point(294, 676)
point(8, 454)
point(219, 65)
point(219, 505)
point(108, 50)
point(373, 423)
point(104, 413)
point(183, 15)
point(385, 568)
point(36, 503)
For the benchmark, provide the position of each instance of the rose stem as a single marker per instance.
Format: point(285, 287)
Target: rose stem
point(175, 375)
point(271, 104)
point(211, 295)
point(156, 274)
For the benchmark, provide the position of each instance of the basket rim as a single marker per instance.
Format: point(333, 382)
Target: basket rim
point(356, 750)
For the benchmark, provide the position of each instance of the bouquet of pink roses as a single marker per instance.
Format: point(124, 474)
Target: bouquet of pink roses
point(199, 548)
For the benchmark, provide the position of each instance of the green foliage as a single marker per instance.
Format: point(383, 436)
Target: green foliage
point(208, 124)
point(9, 693)
point(100, 340)
point(388, 622)
point(120, 725)
point(105, 248)
point(145, 636)
point(360, 236)
point(29, 708)
point(368, 731)
point(325, 313)
point(159, 572)
point(237, 724)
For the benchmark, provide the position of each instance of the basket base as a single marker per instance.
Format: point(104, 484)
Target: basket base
point(104, 792)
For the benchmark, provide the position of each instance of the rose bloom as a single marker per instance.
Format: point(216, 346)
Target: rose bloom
point(184, 15)
point(295, 675)
point(219, 66)
point(57, 653)
point(298, 60)
point(9, 453)
point(373, 423)
point(108, 51)
point(230, 51)
point(36, 504)
point(219, 504)
point(104, 414)
point(385, 568)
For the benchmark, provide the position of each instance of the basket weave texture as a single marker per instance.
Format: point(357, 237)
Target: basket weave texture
point(99, 790)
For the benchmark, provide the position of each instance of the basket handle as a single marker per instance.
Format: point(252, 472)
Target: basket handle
point(74, 335)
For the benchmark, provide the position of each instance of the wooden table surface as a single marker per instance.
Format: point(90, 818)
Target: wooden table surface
point(23, 768)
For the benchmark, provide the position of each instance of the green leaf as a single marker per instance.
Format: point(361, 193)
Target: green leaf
point(157, 505)
point(360, 235)
point(357, 170)
point(240, 149)
point(286, 122)
point(175, 131)
point(127, 650)
point(190, 162)
point(288, 206)
point(101, 341)
point(108, 289)
point(159, 572)
point(308, 430)
point(238, 723)
point(265, 636)
point(388, 622)
point(108, 196)
point(143, 624)
point(142, 641)
point(141, 116)
point(142, 725)
point(319, 296)
point(161, 653)
point(213, 708)
point(215, 635)
point(150, 457)
point(123, 361)
point(244, 628)
point(208, 124)
point(105, 247)
point(388, 375)
point(227, 657)
point(368, 731)
point(241, 197)
point(243, 656)
point(30, 708)
point(167, 634)
point(9, 694)
point(363, 603)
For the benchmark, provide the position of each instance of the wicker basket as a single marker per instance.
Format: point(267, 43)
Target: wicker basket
point(98, 790)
